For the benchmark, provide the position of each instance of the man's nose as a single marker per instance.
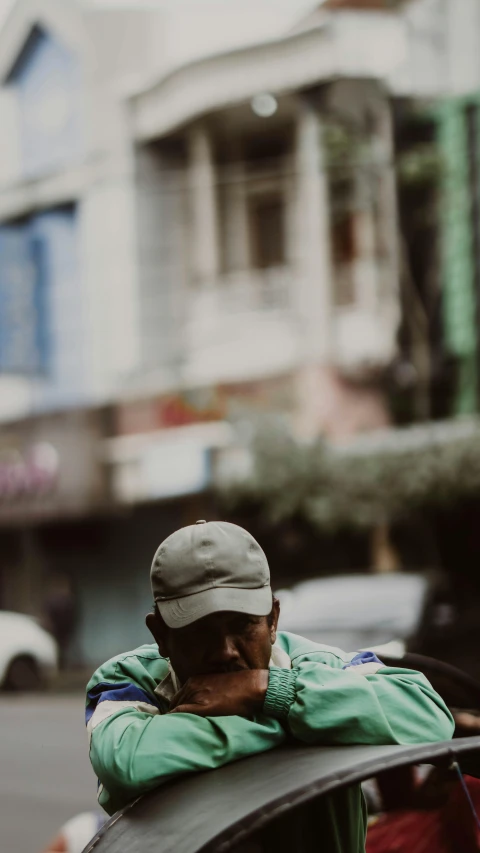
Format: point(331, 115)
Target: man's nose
point(223, 651)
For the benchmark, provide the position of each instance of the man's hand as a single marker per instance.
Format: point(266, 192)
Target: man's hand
point(223, 695)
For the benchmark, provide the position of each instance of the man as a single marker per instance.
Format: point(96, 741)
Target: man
point(219, 684)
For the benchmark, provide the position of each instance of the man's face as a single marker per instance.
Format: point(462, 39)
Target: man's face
point(221, 642)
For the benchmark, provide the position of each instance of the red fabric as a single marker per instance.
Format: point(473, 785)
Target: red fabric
point(407, 832)
point(58, 845)
point(449, 829)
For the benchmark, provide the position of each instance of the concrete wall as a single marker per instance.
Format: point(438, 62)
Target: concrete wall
point(108, 563)
point(442, 49)
point(109, 277)
point(162, 246)
point(48, 84)
point(462, 25)
point(63, 112)
point(10, 161)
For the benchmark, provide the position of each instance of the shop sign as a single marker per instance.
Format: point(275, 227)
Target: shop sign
point(31, 474)
point(204, 405)
point(50, 467)
point(172, 469)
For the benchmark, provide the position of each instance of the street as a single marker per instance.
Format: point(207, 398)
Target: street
point(45, 774)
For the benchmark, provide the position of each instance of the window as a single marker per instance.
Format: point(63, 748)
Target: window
point(23, 333)
point(267, 231)
point(343, 235)
point(343, 238)
point(472, 122)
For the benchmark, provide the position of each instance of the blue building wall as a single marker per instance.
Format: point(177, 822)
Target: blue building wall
point(108, 563)
point(47, 78)
point(41, 308)
point(23, 310)
point(42, 328)
point(56, 232)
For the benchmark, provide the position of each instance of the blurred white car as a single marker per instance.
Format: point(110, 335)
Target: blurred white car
point(28, 653)
point(358, 611)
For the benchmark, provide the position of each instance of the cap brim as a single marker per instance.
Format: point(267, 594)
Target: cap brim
point(179, 612)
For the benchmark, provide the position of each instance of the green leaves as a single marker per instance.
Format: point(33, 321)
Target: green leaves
point(342, 488)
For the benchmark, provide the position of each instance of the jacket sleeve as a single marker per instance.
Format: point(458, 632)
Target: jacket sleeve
point(134, 749)
point(357, 705)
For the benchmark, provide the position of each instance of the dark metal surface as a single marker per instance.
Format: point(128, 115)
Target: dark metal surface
point(457, 688)
point(216, 810)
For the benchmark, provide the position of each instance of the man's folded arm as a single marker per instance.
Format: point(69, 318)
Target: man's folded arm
point(134, 748)
point(357, 705)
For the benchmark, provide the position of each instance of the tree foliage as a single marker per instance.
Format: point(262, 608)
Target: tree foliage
point(335, 489)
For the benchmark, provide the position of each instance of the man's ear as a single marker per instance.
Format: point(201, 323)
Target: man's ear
point(157, 628)
point(274, 616)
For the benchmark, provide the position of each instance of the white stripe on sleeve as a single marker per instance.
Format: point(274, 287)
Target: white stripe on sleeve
point(365, 668)
point(109, 707)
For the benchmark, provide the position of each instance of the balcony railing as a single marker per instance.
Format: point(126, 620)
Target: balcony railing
point(244, 292)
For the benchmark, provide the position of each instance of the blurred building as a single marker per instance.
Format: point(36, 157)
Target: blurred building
point(68, 289)
point(186, 241)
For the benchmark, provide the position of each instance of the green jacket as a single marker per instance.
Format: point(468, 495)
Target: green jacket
point(316, 693)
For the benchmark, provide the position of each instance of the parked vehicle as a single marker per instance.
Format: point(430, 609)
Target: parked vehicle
point(28, 653)
point(360, 611)
point(393, 614)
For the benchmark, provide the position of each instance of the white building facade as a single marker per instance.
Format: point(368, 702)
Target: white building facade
point(68, 289)
point(182, 244)
point(251, 273)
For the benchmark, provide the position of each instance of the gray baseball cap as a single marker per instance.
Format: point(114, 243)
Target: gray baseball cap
point(208, 567)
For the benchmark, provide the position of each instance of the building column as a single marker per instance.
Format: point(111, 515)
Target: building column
point(203, 206)
point(313, 249)
point(388, 205)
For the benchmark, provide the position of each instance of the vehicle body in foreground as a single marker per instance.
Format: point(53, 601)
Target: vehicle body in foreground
point(264, 803)
point(28, 653)
point(272, 801)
